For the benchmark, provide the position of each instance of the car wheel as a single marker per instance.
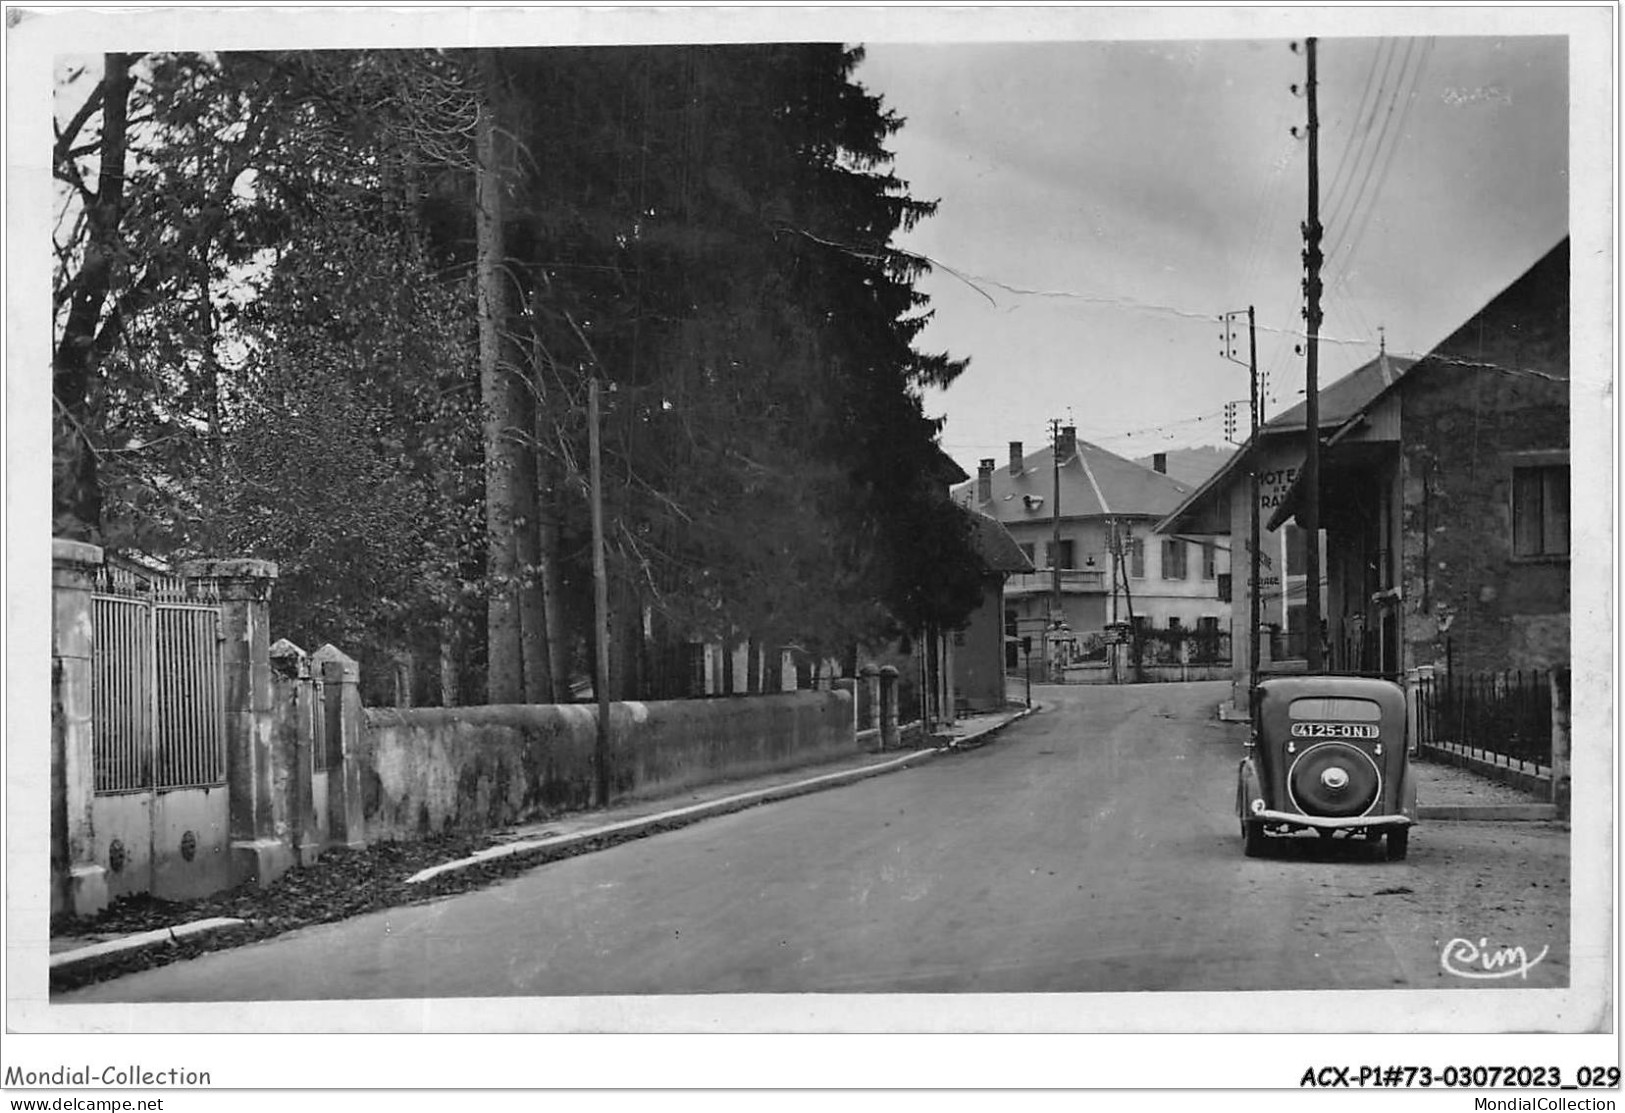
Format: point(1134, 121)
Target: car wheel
point(1252, 839)
point(1399, 841)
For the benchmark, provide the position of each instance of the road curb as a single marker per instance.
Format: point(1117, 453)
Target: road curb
point(551, 847)
point(72, 959)
point(970, 741)
point(629, 829)
point(1524, 813)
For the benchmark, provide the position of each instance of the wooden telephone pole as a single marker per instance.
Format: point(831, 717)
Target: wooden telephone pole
point(1312, 260)
point(1055, 525)
point(1257, 411)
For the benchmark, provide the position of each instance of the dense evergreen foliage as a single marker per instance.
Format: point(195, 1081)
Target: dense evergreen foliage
point(341, 309)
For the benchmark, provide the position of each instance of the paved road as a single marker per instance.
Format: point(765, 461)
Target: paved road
point(1090, 848)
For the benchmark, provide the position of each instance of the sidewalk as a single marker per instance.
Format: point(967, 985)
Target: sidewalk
point(1449, 792)
point(592, 830)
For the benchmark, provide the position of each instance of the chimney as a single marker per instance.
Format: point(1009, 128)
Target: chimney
point(984, 481)
point(1067, 446)
point(1159, 463)
point(1015, 457)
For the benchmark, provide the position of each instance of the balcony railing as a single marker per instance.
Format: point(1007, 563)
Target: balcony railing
point(1074, 581)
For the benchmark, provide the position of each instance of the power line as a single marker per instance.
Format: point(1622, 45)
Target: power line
point(1357, 134)
point(1365, 196)
point(1351, 245)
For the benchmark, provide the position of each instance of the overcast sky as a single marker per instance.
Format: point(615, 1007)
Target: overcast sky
point(1102, 202)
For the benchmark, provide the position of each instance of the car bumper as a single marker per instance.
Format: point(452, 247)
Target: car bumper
point(1298, 819)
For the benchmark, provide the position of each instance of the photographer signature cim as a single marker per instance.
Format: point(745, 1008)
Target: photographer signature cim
point(1467, 958)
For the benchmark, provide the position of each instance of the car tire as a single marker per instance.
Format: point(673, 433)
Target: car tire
point(1252, 839)
point(1398, 842)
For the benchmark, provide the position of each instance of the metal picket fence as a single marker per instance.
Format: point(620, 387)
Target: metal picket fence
point(1505, 713)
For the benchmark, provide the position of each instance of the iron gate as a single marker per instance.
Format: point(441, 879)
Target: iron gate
point(158, 718)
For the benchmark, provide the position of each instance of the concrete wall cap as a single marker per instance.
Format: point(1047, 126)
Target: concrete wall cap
point(230, 568)
point(282, 647)
point(870, 670)
point(331, 652)
point(64, 551)
point(888, 670)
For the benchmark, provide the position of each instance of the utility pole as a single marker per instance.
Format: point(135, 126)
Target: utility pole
point(1311, 464)
point(1252, 591)
point(1229, 352)
point(1055, 525)
point(1127, 534)
point(600, 593)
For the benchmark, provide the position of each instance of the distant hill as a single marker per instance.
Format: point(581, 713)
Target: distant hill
point(1193, 465)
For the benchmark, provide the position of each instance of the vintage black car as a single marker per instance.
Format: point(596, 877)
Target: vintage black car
point(1328, 754)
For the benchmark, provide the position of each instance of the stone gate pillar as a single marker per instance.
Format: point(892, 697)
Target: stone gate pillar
point(850, 686)
point(888, 708)
point(261, 837)
point(870, 675)
point(341, 678)
point(1561, 680)
point(78, 883)
point(295, 703)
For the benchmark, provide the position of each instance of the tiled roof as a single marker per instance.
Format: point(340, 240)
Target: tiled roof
point(1357, 391)
point(1339, 401)
point(1094, 482)
point(998, 549)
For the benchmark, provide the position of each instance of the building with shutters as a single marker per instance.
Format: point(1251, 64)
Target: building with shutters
point(1086, 526)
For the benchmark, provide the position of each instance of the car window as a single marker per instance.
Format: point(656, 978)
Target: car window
point(1336, 708)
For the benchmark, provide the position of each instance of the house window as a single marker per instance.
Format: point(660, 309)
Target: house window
point(1225, 589)
point(1540, 511)
point(1173, 622)
point(1064, 552)
point(1210, 560)
point(1208, 625)
point(1173, 559)
point(1136, 558)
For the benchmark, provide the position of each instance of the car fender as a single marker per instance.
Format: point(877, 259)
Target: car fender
point(1247, 787)
point(1407, 793)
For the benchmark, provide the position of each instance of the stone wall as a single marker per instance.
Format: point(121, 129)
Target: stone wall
point(429, 770)
point(1492, 397)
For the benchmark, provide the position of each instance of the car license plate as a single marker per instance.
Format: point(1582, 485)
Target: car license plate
point(1333, 730)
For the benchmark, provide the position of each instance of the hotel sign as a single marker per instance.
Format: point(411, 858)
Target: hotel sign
point(1273, 486)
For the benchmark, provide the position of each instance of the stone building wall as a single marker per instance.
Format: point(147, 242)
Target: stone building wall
point(1493, 397)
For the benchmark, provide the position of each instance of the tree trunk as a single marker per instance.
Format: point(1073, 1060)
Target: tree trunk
point(76, 501)
point(505, 660)
point(547, 660)
point(404, 675)
point(626, 643)
point(538, 684)
point(451, 690)
point(552, 578)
